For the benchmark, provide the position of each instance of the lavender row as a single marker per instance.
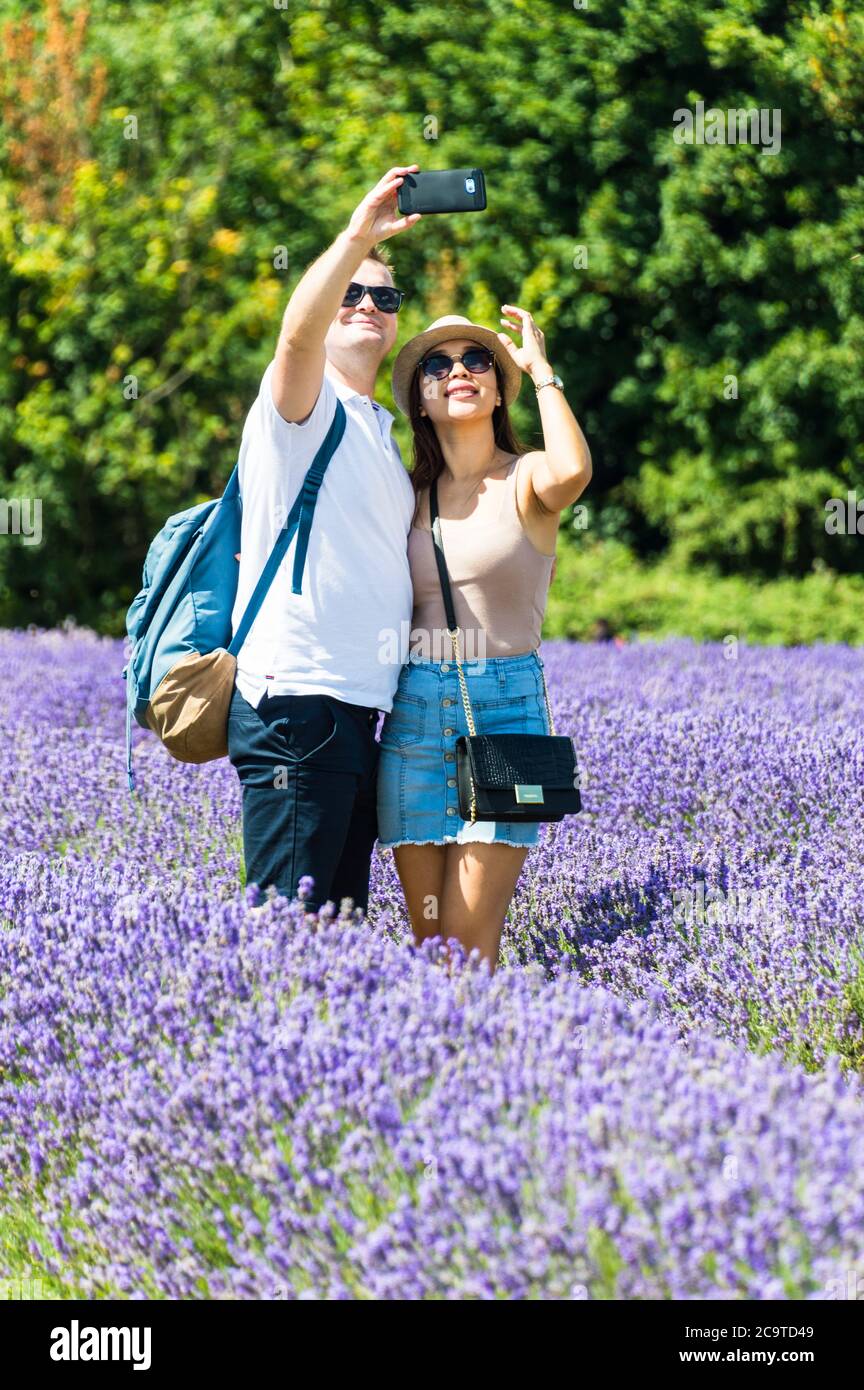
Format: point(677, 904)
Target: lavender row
point(202, 1095)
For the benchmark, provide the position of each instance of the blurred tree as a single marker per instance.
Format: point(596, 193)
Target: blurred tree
point(167, 171)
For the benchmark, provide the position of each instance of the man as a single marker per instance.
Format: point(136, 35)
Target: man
point(312, 674)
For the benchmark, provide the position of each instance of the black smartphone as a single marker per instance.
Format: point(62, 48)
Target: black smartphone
point(443, 190)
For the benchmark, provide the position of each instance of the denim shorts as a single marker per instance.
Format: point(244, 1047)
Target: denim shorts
point(418, 802)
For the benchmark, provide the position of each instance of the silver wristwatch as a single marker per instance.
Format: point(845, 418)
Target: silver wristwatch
point(553, 380)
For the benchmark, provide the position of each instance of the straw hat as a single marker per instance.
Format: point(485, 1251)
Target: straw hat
point(452, 326)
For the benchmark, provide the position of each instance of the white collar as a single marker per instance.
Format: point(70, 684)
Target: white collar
point(345, 393)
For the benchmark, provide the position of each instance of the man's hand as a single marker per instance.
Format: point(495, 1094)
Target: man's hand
point(377, 217)
point(300, 354)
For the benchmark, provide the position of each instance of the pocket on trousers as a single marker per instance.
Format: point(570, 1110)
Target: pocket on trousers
point(304, 724)
point(405, 723)
point(240, 709)
point(244, 723)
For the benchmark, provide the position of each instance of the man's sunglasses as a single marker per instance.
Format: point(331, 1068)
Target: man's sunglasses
point(384, 297)
point(439, 365)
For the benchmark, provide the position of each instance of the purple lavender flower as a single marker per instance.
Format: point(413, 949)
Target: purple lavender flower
point(657, 1096)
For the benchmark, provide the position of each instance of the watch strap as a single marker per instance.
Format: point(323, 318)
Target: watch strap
point(553, 380)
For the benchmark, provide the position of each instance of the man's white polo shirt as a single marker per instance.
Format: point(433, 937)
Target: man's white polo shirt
point(342, 635)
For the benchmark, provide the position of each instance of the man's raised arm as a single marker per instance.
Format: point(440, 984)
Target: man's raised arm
point(298, 368)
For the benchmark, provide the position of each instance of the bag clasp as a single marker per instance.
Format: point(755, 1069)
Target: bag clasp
point(528, 793)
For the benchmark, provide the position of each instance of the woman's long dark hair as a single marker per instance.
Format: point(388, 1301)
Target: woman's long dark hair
point(428, 458)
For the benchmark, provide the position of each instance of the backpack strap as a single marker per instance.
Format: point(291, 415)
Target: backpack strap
point(299, 520)
point(232, 487)
point(308, 497)
point(299, 523)
point(130, 776)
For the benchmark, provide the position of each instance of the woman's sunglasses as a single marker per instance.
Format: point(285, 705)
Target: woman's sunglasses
point(384, 297)
point(439, 365)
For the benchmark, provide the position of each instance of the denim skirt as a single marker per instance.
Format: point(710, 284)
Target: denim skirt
point(418, 802)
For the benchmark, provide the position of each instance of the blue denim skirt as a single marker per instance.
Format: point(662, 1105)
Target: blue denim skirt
point(418, 802)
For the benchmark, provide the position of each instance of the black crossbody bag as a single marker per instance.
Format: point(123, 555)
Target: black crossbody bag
point(506, 777)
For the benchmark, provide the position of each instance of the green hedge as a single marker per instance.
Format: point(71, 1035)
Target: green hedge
point(604, 580)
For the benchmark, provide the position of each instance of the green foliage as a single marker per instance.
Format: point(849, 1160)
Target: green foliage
point(156, 259)
point(598, 579)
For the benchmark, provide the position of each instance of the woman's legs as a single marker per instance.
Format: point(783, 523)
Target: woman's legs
point(460, 890)
point(421, 873)
point(479, 882)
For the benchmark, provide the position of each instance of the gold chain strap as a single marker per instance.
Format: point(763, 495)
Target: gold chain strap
point(469, 714)
point(463, 684)
point(546, 698)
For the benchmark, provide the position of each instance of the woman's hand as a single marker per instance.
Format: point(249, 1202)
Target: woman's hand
point(552, 478)
point(531, 357)
point(377, 217)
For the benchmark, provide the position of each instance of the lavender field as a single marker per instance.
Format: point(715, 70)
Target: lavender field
point(206, 1094)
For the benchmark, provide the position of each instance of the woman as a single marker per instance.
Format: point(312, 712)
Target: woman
point(500, 507)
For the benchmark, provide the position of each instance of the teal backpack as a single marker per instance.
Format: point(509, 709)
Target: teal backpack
point(183, 660)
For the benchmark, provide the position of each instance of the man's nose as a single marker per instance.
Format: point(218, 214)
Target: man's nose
point(367, 303)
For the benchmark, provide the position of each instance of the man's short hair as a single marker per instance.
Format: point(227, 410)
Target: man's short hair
point(381, 254)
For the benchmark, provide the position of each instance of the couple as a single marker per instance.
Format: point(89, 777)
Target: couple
point(317, 667)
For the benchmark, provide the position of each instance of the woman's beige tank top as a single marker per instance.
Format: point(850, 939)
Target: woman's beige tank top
point(499, 580)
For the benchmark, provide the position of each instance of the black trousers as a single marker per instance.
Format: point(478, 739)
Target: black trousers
point(308, 767)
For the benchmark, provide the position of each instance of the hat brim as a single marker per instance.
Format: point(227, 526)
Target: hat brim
point(416, 348)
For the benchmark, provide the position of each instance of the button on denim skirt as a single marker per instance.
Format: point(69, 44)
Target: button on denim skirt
point(418, 802)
